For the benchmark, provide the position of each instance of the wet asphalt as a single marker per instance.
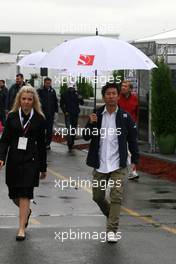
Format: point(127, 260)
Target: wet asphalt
point(67, 226)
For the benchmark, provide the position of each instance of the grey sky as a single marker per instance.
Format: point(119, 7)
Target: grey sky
point(131, 18)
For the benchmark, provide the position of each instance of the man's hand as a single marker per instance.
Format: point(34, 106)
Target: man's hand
point(1, 164)
point(93, 118)
point(42, 175)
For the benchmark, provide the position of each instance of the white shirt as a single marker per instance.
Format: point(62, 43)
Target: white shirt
point(109, 147)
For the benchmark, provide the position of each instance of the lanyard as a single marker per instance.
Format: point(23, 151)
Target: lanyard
point(27, 124)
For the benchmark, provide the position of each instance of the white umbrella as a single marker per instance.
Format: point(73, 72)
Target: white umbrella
point(32, 59)
point(96, 53)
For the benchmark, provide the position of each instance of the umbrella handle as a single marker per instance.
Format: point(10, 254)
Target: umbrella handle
point(95, 92)
point(94, 110)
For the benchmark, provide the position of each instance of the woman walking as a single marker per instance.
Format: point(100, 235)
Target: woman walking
point(23, 142)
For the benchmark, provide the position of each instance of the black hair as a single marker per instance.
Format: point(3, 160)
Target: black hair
point(109, 85)
point(47, 79)
point(20, 75)
point(2, 81)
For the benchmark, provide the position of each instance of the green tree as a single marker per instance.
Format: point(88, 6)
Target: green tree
point(118, 76)
point(84, 87)
point(163, 100)
point(33, 77)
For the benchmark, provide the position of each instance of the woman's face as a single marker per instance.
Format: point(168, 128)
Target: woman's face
point(26, 101)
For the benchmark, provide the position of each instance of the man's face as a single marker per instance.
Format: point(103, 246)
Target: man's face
point(125, 88)
point(19, 80)
point(1, 84)
point(111, 97)
point(47, 84)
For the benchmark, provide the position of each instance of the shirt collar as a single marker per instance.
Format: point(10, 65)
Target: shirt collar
point(105, 110)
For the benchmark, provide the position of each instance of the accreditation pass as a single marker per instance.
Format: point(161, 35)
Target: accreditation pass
point(22, 143)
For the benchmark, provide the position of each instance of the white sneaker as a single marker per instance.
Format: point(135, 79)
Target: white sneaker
point(133, 175)
point(112, 237)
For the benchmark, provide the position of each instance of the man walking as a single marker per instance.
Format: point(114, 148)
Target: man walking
point(14, 90)
point(129, 103)
point(111, 131)
point(49, 102)
point(69, 103)
point(3, 98)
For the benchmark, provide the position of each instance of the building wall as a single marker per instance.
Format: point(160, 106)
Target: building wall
point(37, 41)
point(7, 70)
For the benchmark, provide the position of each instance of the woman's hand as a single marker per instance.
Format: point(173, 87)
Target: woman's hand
point(42, 175)
point(1, 164)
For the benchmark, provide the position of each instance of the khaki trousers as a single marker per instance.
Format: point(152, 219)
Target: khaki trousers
point(111, 209)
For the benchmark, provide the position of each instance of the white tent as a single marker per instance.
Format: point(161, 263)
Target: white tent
point(168, 37)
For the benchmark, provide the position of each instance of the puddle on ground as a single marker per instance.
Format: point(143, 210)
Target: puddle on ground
point(42, 196)
point(162, 191)
point(156, 206)
point(67, 197)
point(162, 200)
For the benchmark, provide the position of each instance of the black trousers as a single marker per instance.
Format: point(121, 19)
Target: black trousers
point(71, 122)
point(49, 129)
point(2, 116)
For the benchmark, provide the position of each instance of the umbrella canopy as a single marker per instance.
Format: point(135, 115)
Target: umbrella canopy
point(96, 53)
point(32, 59)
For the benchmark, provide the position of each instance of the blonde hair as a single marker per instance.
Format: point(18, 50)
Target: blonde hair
point(36, 105)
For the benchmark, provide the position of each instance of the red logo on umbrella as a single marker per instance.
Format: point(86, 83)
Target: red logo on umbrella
point(86, 60)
